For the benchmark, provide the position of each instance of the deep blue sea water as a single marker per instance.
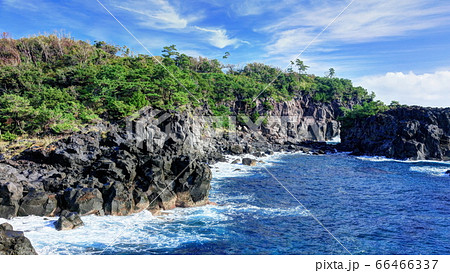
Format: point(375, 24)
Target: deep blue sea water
point(373, 206)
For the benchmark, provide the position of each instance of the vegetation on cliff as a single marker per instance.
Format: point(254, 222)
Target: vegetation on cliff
point(51, 84)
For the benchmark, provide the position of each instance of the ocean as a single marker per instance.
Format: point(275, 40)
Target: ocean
point(288, 204)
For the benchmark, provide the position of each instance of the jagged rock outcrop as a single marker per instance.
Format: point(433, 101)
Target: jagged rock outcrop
point(415, 133)
point(158, 160)
point(11, 191)
point(38, 203)
point(302, 119)
point(68, 220)
point(14, 242)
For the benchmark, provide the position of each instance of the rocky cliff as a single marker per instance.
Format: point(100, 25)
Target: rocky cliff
point(415, 133)
point(302, 119)
point(156, 160)
point(294, 121)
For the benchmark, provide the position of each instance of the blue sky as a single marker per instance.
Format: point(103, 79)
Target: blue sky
point(399, 49)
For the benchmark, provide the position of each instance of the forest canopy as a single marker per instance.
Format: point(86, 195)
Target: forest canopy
point(53, 84)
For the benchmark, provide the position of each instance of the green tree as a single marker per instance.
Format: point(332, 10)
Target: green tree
point(331, 73)
point(169, 54)
point(302, 68)
point(15, 113)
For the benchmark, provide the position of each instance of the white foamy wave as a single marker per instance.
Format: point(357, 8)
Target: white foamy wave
point(210, 214)
point(385, 159)
point(435, 171)
point(258, 212)
point(226, 169)
point(126, 234)
point(335, 140)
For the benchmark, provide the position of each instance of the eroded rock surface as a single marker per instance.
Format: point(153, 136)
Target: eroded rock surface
point(14, 242)
point(405, 133)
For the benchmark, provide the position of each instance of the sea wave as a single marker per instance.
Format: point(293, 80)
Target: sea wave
point(222, 170)
point(435, 171)
point(385, 159)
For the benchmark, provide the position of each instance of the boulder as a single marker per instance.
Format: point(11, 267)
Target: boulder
point(39, 204)
point(236, 149)
point(14, 242)
point(68, 220)
point(258, 154)
point(10, 195)
point(236, 161)
point(141, 201)
point(83, 200)
point(249, 162)
point(447, 172)
point(118, 200)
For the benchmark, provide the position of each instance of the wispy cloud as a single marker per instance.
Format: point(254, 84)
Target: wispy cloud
point(364, 21)
point(156, 14)
point(257, 7)
point(30, 5)
point(430, 89)
point(219, 38)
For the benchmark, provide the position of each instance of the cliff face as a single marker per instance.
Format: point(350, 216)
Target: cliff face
point(415, 133)
point(297, 120)
point(302, 119)
point(158, 160)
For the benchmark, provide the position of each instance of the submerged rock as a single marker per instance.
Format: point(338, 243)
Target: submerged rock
point(14, 242)
point(236, 161)
point(68, 220)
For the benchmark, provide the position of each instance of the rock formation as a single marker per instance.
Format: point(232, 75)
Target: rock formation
point(157, 160)
point(415, 133)
point(111, 170)
point(14, 242)
point(68, 220)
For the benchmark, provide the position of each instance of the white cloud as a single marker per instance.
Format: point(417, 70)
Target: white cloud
point(364, 21)
point(219, 38)
point(257, 7)
point(31, 5)
point(157, 14)
point(412, 89)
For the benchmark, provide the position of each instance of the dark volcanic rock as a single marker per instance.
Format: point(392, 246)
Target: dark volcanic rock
point(14, 242)
point(405, 133)
point(236, 161)
point(155, 160)
point(83, 200)
point(68, 220)
point(249, 162)
point(236, 149)
point(11, 191)
point(118, 199)
point(39, 204)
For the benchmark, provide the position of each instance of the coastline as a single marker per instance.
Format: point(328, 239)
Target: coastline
point(99, 231)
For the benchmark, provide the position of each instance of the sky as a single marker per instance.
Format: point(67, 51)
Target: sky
point(397, 49)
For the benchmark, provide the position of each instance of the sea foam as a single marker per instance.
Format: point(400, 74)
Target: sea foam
point(144, 232)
